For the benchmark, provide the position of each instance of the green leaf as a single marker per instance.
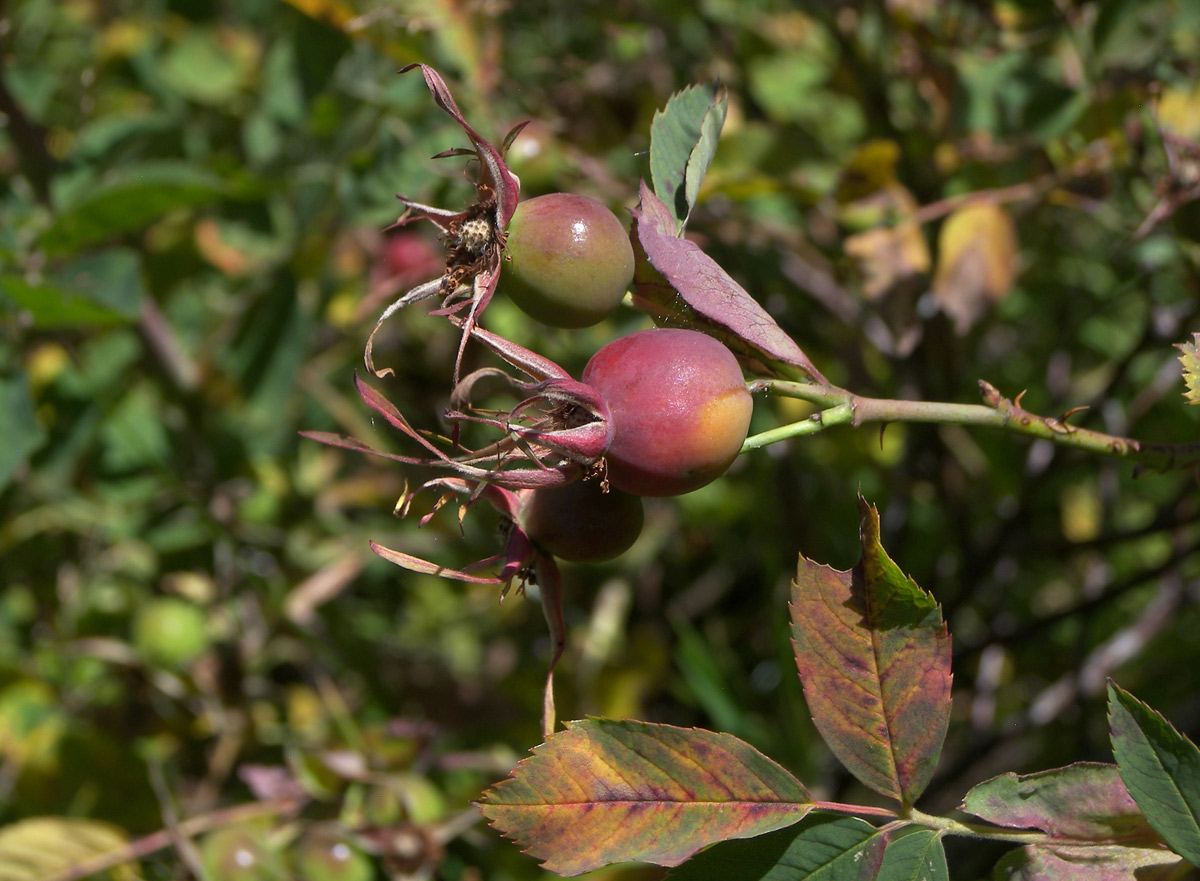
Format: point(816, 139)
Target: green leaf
point(1089, 863)
point(874, 659)
point(606, 791)
point(129, 199)
point(1190, 359)
point(22, 434)
point(1082, 801)
point(819, 848)
point(1161, 769)
point(43, 847)
point(917, 856)
point(95, 290)
point(683, 140)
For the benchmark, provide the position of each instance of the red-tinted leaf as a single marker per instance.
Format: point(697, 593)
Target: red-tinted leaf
point(678, 284)
point(606, 791)
point(1083, 801)
point(874, 657)
point(1090, 863)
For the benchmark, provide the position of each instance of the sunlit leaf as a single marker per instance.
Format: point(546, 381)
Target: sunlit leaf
point(683, 140)
point(42, 847)
point(819, 848)
point(874, 659)
point(606, 791)
point(917, 856)
point(1161, 769)
point(1190, 359)
point(680, 285)
point(1089, 863)
point(1082, 801)
point(977, 262)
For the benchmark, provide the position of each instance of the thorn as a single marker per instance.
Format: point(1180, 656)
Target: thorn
point(1017, 399)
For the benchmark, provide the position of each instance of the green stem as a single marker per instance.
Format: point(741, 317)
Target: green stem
point(846, 408)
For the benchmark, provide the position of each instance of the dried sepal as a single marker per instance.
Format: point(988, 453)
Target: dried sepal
point(473, 237)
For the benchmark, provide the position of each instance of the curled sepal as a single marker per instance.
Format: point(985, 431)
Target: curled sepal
point(557, 432)
point(474, 237)
point(520, 561)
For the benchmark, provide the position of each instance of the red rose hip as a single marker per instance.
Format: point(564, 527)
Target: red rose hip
point(679, 405)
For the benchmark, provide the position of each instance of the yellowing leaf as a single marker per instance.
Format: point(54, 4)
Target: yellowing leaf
point(43, 847)
point(888, 257)
point(605, 791)
point(977, 262)
point(1190, 359)
point(1179, 111)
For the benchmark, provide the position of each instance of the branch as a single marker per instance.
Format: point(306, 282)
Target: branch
point(846, 408)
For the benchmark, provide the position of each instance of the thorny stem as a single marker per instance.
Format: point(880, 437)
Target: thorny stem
point(846, 408)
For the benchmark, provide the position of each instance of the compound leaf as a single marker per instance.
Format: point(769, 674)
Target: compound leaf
point(819, 848)
point(1161, 769)
point(874, 658)
point(606, 791)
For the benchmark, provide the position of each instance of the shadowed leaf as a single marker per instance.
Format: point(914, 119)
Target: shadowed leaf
point(917, 856)
point(1161, 769)
point(23, 435)
point(818, 848)
point(977, 262)
point(606, 791)
point(129, 199)
point(683, 140)
point(1084, 801)
point(1089, 863)
point(874, 658)
point(681, 286)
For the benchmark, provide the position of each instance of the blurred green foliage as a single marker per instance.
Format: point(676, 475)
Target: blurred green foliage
point(191, 199)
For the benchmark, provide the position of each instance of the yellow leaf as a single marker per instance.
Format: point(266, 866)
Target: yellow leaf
point(43, 847)
point(977, 262)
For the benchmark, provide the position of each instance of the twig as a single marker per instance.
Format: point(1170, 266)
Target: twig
point(156, 841)
point(845, 408)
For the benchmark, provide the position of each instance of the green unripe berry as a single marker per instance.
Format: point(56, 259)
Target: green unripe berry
point(568, 261)
point(170, 632)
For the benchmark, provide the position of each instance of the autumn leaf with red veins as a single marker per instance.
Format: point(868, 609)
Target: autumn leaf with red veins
point(474, 237)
